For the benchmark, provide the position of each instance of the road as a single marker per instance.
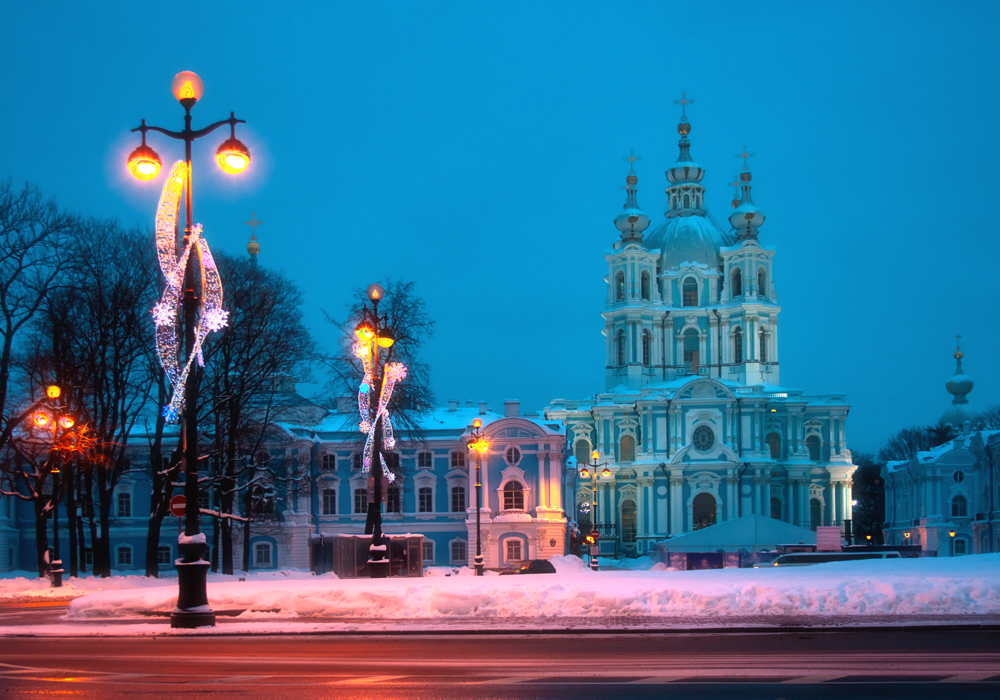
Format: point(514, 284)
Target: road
point(895, 663)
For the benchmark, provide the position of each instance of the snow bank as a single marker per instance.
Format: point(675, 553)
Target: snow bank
point(963, 585)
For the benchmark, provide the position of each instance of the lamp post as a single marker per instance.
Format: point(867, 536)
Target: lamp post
point(57, 418)
point(479, 445)
point(951, 538)
point(144, 164)
point(586, 471)
point(373, 333)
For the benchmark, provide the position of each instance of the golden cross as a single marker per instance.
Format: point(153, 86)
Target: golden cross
point(735, 184)
point(744, 155)
point(683, 102)
point(253, 224)
point(631, 158)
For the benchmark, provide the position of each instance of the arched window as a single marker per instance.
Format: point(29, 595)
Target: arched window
point(737, 289)
point(647, 348)
point(626, 452)
point(329, 502)
point(628, 521)
point(776, 508)
point(774, 442)
point(620, 347)
point(812, 444)
point(644, 285)
point(762, 346)
point(761, 283)
point(513, 496)
point(689, 293)
point(959, 507)
point(619, 286)
point(691, 350)
point(703, 510)
point(738, 345)
point(581, 450)
point(815, 513)
point(687, 201)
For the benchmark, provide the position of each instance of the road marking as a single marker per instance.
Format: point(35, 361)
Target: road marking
point(366, 679)
point(814, 678)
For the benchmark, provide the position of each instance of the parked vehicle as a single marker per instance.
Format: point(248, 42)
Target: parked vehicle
point(531, 566)
point(810, 558)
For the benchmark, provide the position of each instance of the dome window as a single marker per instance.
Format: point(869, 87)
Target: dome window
point(687, 201)
point(689, 293)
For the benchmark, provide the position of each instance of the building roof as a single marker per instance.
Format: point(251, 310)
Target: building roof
point(751, 532)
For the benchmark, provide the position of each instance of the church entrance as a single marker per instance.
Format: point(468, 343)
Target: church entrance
point(704, 510)
point(815, 513)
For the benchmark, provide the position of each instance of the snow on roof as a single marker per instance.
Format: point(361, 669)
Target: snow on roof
point(438, 419)
point(751, 532)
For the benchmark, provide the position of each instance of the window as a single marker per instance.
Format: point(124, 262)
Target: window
point(424, 460)
point(457, 499)
point(738, 346)
point(703, 510)
point(628, 521)
point(203, 500)
point(458, 551)
point(393, 500)
point(626, 449)
point(647, 348)
point(356, 462)
point(620, 347)
point(513, 455)
point(124, 557)
point(691, 350)
point(812, 444)
point(513, 550)
point(959, 507)
point(620, 286)
point(761, 283)
point(360, 500)
point(960, 545)
point(163, 555)
point(581, 450)
point(774, 442)
point(644, 285)
point(703, 438)
point(762, 342)
point(425, 498)
point(329, 463)
point(262, 554)
point(329, 501)
point(737, 289)
point(776, 508)
point(815, 513)
point(513, 496)
point(427, 551)
point(392, 461)
point(458, 460)
point(687, 203)
point(958, 476)
point(689, 294)
point(125, 506)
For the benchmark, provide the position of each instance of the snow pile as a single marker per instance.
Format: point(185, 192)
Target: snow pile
point(965, 585)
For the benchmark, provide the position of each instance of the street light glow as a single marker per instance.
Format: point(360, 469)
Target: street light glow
point(42, 420)
point(66, 422)
point(232, 156)
point(186, 85)
point(595, 455)
point(144, 163)
point(53, 392)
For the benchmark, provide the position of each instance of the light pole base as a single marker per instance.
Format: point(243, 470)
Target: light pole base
point(192, 608)
point(189, 619)
point(593, 563)
point(56, 574)
point(379, 568)
point(479, 566)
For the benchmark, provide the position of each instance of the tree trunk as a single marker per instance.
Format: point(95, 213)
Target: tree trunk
point(41, 535)
point(74, 569)
point(246, 530)
point(102, 546)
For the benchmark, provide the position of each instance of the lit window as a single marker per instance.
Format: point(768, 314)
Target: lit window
point(457, 499)
point(458, 551)
point(393, 500)
point(163, 555)
point(360, 500)
point(513, 550)
point(959, 507)
point(458, 460)
point(425, 497)
point(329, 501)
point(627, 451)
point(427, 551)
point(262, 554)
point(689, 296)
point(125, 506)
point(424, 460)
point(329, 463)
point(513, 496)
point(124, 557)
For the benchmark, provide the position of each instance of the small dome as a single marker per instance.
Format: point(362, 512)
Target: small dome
point(685, 170)
point(632, 221)
point(958, 386)
point(746, 217)
point(253, 247)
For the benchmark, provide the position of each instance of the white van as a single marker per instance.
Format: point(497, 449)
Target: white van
point(810, 558)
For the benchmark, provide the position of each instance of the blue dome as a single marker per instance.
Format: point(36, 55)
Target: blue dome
point(692, 239)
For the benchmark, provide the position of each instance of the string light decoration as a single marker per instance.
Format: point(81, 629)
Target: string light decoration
point(167, 313)
point(393, 373)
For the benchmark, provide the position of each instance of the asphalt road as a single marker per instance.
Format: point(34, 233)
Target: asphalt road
point(909, 664)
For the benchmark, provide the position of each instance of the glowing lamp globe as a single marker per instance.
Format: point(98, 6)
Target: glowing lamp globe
point(906, 535)
point(53, 392)
point(232, 156)
point(364, 331)
point(386, 338)
point(476, 423)
point(143, 163)
point(187, 88)
point(41, 419)
point(584, 473)
point(595, 455)
point(606, 473)
point(375, 292)
point(66, 422)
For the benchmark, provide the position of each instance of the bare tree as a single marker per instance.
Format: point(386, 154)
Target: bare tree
point(906, 443)
point(869, 491)
point(989, 419)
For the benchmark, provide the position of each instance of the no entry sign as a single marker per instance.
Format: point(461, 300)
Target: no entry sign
point(177, 505)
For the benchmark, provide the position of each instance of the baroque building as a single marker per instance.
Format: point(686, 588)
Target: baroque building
point(694, 422)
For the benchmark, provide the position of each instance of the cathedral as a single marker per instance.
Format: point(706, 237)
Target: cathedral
point(694, 426)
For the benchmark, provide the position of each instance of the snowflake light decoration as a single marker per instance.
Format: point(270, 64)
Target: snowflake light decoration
point(166, 313)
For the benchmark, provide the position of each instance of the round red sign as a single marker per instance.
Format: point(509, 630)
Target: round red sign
point(178, 504)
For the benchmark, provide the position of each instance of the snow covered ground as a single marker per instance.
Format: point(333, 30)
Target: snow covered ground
point(967, 585)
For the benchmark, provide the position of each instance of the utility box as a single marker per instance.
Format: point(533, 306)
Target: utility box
point(348, 555)
point(828, 538)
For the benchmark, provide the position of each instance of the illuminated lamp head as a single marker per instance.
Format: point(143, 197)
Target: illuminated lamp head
point(595, 455)
point(606, 473)
point(868, 537)
point(906, 534)
point(41, 419)
point(386, 338)
point(187, 88)
point(53, 392)
point(584, 473)
point(951, 533)
point(476, 423)
point(143, 162)
point(375, 292)
point(66, 422)
point(364, 331)
point(232, 156)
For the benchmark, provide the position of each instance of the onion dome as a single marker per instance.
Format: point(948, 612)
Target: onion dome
point(746, 217)
point(958, 386)
point(253, 247)
point(632, 221)
point(685, 170)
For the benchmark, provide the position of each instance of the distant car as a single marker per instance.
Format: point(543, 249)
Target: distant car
point(810, 558)
point(531, 566)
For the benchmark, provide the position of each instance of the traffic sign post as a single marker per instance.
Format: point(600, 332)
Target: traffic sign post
point(177, 506)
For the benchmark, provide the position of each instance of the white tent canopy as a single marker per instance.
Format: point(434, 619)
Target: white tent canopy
point(753, 533)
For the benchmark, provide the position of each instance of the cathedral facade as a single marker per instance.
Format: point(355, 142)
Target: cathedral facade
point(693, 426)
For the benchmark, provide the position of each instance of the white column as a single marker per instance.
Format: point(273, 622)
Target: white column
point(555, 481)
point(676, 505)
point(543, 491)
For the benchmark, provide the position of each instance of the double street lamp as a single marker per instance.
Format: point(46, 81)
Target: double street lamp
point(586, 472)
point(144, 164)
point(53, 417)
point(480, 446)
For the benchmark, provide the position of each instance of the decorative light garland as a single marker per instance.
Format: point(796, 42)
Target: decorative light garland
point(393, 373)
point(167, 313)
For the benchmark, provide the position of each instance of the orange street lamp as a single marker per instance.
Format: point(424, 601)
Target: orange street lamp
point(590, 471)
point(480, 445)
point(951, 538)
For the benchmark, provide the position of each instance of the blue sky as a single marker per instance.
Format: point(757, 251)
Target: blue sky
point(477, 149)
